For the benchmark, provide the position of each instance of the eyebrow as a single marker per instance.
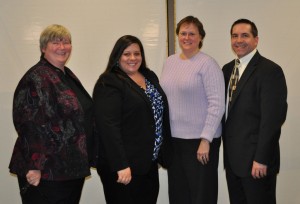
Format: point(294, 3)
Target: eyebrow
point(241, 34)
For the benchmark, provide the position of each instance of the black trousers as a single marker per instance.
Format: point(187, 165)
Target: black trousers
point(51, 192)
point(143, 189)
point(247, 190)
point(190, 182)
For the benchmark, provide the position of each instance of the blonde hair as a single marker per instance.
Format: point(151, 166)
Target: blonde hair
point(54, 32)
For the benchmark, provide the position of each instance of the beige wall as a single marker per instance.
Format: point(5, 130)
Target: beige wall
point(96, 25)
point(278, 30)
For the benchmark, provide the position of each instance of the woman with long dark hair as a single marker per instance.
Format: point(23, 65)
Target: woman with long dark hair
point(132, 119)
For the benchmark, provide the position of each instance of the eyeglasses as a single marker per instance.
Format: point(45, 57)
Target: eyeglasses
point(59, 43)
point(185, 34)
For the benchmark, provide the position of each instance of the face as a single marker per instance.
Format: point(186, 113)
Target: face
point(189, 38)
point(131, 59)
point(57, 52)
point(242, 40)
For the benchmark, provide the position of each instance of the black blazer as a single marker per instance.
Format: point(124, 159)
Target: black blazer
point(125, 121)
point(258, 110)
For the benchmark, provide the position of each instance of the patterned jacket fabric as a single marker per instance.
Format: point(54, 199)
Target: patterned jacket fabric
point(49, 121)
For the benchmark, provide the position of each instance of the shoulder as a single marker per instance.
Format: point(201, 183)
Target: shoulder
point(202, 59)
point(110, 79)
point(207, 63)
point(71, 73)
point(266, 65)
point(205, 56)
point(107, 78)
point(39, 73)
point(229, 64)
point(228, 67)
point(106, 85)
point(172, 58)
point(149, 74)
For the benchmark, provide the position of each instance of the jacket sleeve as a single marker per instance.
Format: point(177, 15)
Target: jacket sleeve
point(273, 114)
point(29, 104)
point(108, 101)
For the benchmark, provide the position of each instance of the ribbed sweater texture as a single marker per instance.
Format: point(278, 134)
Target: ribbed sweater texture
point(196, 96)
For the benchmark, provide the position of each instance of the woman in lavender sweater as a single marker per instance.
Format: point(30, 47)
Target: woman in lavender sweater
point(194, 85)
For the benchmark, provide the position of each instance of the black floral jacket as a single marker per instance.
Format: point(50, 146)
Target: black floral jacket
point(48, 119)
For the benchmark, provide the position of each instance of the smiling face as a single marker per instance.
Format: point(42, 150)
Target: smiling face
point(58, 51)
point(242, 40)
point(189, 38)
point(131, 59)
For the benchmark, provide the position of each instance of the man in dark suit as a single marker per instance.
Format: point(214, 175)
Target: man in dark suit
point(256, 110)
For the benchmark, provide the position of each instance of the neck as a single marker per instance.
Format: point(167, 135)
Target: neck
point(189, 55)
point(60, 66)
point(139, 79)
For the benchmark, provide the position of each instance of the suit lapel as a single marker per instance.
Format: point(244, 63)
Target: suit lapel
point(140, 91)
point(244, 78)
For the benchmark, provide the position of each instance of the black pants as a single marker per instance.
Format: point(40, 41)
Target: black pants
point(247, 190)
point(143, 189)
point(190, 182)
point(51, 192)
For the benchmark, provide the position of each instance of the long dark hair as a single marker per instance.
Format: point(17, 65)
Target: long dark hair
point(121, 44)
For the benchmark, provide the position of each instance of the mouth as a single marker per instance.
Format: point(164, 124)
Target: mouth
point(187, 42)
point(132, 63)
point(240, 46)
point(61, 53)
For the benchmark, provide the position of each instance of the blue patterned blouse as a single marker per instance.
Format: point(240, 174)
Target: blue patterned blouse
point(157, 107)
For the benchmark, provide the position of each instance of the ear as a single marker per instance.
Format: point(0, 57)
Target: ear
point(256, 39)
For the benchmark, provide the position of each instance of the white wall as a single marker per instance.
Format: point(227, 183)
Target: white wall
point(96, 25)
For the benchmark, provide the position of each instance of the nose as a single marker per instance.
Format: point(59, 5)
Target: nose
point(187, 35)
point(239, 39)
point(132, 57)
point(61, 45)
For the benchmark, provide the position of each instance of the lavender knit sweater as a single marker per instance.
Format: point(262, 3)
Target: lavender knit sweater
point(196, 94)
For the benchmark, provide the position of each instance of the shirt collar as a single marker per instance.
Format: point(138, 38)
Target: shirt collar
point(246, 59)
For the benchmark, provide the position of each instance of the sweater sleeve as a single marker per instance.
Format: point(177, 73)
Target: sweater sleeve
point(214, 87)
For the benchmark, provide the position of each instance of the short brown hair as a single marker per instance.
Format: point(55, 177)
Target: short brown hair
point(196, 22)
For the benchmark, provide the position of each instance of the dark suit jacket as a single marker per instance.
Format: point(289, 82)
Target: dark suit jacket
point(125, 121)
point(258, 110)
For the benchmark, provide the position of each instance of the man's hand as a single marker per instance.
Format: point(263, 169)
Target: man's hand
point(258, 170)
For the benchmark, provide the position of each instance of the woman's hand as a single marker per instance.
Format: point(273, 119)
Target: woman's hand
point(33, 177)
point(124, 176)
point(203, 151)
